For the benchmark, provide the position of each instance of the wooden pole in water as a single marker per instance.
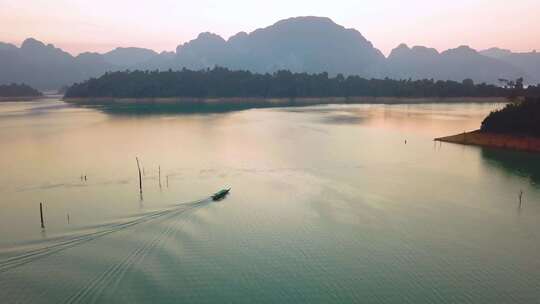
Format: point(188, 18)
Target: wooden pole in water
point(140, 177)
point(41, 215)
point(159, 174)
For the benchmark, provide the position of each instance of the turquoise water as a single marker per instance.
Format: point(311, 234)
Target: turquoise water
point(328, 205)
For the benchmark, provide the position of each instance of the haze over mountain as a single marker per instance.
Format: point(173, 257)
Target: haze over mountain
point(528, 62)
point(45, 66)
point(127, 57)
point(301, 44)
point(454, 64)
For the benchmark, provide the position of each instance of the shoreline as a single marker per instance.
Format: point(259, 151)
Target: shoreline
point(252, 102)
point(494, 140)
point(21, 98)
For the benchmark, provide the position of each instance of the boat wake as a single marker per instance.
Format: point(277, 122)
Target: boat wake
point(39, 251)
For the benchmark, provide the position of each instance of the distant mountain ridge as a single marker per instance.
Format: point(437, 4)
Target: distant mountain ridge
point(529, 62)
point(45, 66)
point(453, 64)
point(300, 44)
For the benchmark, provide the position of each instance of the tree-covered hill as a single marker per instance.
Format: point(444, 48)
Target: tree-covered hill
point(18, 90)
point(222, 82)
point(522, 118)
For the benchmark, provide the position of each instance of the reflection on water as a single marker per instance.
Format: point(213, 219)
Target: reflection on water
point(515, 163)
point(184, 109)
point(330, 204)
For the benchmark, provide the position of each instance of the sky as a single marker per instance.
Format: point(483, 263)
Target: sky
point(102, 25)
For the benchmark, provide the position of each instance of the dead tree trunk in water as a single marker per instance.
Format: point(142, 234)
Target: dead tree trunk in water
point(159, 174)
point(41, 215)
point(140, 177)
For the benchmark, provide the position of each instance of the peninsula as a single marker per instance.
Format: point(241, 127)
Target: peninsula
point(516, 126)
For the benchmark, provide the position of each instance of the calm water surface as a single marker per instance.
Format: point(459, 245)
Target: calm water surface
point(328, 204)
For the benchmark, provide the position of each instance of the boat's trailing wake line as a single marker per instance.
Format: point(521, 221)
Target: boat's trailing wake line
point(32, 255)
point(109, 280)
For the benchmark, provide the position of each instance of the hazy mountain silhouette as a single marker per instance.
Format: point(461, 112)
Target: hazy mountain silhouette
point(7, 47)
point(45, 66)
point(128, 57)
point(307, 44)
point(417, 62)
point(454, 64)
point(162, 61)
point(301, 44)
point(528, 62)
point(496, 52)
point(207, 50)
point(89, 65)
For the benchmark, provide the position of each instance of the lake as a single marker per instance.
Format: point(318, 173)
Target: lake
point(329, 204)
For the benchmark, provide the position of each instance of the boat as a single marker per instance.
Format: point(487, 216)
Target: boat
point(220, 194)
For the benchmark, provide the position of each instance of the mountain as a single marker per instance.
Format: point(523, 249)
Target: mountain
point(90, 65)
point(528, 62)
point(300, 44)
point(162, 61)
point(496, 52)
point(36, 64)
point(453, 64)
point(45, 66)
point(7, 47)
point(128, 57)
point(207, 50)
point(417, 62)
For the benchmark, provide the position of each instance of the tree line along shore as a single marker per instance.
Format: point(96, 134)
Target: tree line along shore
point(14, 90)
point(515, 126)
point(224, 83)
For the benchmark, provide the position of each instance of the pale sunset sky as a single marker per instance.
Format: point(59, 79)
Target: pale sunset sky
point(101, 25)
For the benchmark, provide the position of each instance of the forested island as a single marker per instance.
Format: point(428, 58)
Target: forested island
point(225, 83)
point(18, 90)
point(516, 126)
point(522, 118)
